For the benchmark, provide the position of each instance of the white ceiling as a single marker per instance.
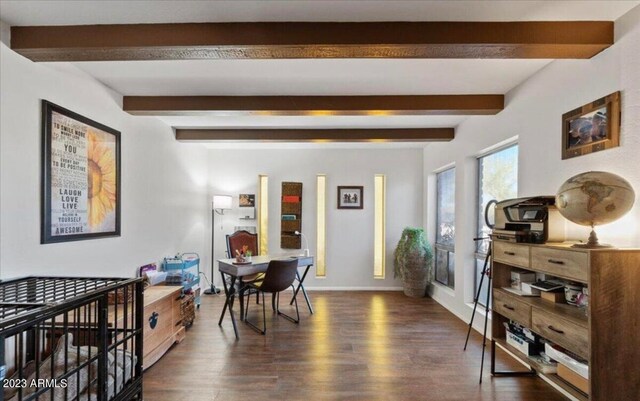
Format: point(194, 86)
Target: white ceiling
point(313, 76)
point(309, 77)
point(64, 12)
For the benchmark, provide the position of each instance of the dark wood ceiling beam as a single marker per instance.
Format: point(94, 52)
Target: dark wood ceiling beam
point(314, 105)
point(276, 40)
point(317, 135)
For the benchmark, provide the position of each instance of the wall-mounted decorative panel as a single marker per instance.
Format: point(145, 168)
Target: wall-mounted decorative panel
point(291, 215)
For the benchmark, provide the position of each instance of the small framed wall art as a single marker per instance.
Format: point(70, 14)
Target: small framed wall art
point(80, 177)
point(592, 127)
point(350, 197)
point(247, 200)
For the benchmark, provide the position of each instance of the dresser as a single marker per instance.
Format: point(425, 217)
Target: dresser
point(607, 334)
point(162, 321)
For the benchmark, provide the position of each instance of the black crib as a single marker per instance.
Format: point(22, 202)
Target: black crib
point(71, 339)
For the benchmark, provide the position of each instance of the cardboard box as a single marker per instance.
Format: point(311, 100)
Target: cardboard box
point(528, 290)
point(573, 378)
point(556, 297)
point(521, 276)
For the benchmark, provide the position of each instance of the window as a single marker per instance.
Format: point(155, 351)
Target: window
point(380, 210)
point(497, 179)
point(321, 186)
point(445, 227)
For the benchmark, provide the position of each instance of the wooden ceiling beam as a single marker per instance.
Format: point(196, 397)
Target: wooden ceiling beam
point(317, 135)
point(277, 40)
point(314, 105)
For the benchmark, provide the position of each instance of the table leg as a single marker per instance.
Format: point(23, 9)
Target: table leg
point(301, 286)
point(229, 290)
point(226, 298)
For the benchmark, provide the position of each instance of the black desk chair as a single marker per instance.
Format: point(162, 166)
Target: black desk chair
point(279, 276)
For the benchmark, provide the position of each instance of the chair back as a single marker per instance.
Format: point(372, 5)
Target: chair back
point(240, 238)
point(279, 275)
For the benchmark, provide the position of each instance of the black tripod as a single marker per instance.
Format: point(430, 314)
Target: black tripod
point(486, 271)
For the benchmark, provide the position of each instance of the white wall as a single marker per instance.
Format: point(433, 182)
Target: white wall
point(533, 113)
point(164, 204)
point(349, 232)
point(5, 33)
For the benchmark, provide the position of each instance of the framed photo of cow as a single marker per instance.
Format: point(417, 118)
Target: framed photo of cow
point(80, 177)
point(592, 127)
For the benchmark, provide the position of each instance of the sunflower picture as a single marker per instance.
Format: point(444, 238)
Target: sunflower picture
point(101, 178)
point(81, 167)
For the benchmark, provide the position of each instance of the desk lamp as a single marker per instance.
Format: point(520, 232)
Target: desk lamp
point(306, 248)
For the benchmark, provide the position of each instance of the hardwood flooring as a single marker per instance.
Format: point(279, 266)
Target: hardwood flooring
point(357, 346)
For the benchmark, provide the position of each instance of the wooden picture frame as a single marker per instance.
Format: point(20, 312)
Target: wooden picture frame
point(350, 197)
point(591, 128)
point(80, 181)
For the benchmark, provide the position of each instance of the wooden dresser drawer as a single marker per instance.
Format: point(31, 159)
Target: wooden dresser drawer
point(562, 263)
point(573, 337)
point(511, 307)
point(510, 253)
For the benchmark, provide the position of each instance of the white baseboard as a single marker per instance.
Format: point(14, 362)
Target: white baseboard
point(478, 322)
point(353, 288)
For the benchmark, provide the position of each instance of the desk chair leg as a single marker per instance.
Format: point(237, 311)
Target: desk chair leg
point(264, 317)
point(246, 305)
point(295, 301)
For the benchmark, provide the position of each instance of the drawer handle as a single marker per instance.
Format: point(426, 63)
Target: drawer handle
point(554, 329)
point(509, 253)
point(557, 262)
point(508, 307)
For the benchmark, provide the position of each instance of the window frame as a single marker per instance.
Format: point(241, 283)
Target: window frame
point(449, 249)
point(478, 255)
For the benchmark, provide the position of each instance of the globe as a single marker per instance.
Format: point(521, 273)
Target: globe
point(594, 198)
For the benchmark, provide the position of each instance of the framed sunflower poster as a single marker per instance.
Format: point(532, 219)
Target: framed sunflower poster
point(80, 177)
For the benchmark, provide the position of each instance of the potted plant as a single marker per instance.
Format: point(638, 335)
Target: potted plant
point(413, 262)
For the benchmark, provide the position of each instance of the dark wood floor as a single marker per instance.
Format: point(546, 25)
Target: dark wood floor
point(357, 346)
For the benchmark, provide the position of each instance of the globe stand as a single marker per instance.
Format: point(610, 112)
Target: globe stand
point(593, 242)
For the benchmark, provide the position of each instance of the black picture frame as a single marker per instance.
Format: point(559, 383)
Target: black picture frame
point(76, 220)
point(350, 197)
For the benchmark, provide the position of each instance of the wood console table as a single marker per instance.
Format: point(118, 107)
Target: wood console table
point(606, 336)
